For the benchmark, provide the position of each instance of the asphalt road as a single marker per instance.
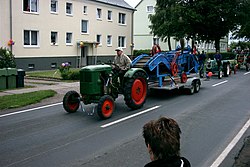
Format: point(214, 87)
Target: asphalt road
point(50, 137)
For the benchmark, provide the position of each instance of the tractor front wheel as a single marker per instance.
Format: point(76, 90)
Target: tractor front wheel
point(105, 107)
point(71, 101)
point(135, 90)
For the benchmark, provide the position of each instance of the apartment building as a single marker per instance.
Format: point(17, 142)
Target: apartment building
point(42, 34)
point(143, 38)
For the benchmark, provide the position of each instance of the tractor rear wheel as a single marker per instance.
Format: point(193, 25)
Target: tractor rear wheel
point(71, 101)
point(105, 107)
point(226, 69)
point(201, 73)
point(220, 73)
point(135, 90)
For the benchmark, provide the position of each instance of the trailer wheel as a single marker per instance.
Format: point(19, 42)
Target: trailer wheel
point(135, 90)
point(183, 77)
point(71, 101)
point(197, 86)
point(105, 107)
point(191, 89)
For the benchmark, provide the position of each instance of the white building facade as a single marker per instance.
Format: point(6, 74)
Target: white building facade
point(46, 33)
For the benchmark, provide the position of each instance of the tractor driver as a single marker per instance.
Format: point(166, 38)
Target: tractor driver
point(121, 62)
point(218, 58)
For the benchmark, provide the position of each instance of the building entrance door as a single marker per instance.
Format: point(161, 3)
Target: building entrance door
point(83, 53)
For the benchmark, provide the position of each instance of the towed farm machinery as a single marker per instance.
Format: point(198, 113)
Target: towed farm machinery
point(101, 85)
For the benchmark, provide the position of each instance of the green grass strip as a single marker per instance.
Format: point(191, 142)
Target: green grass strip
point(24, 99)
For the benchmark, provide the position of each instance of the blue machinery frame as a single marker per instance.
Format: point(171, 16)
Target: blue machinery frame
point(185, 61)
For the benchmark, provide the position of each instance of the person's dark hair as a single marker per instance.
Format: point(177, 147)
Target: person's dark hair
point(163, 136)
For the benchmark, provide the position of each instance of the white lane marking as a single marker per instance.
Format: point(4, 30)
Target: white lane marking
point(247, 73)
point(224, 154)
point(128, 117)
point(220, 83)
point(32, 109)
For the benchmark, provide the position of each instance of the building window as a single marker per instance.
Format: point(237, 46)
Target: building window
point(85, 9)
point(99, 39)
point(53, 65)
point(109, 17)
point(121, 41)
point(69, 38)
point(150, 9)
point(30, 5)
point(98, 13)
point(30, 38)
point(53, 37)
point(69, 8)
point(109, 40)
point(84, 26)
point(54, 6)
point(31, 66)
point(122, 18)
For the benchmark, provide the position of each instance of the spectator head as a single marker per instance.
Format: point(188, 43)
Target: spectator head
point(162, 138)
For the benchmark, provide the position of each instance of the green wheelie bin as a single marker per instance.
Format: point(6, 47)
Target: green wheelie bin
point(11, 78)
point(3, 78)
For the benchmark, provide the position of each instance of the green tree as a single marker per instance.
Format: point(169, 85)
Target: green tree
point(243, 29)
point(167, 21)
point(199, 20)
point(215, 19)
point(242, 45)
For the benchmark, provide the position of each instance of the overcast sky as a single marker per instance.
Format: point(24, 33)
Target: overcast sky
point(133, 3)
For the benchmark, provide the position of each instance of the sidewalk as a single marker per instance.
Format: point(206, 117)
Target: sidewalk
point(59, 87)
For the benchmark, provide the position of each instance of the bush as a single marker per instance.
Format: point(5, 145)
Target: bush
point(139, 52)
point(7, 59)
point(67, 73)
point(64, 70)
point(225, 55)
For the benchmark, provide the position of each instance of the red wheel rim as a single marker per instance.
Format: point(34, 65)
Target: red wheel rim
point(72, 106)
point(174, 69)
point(107, 108)
point(183, 77)
point(139, 91)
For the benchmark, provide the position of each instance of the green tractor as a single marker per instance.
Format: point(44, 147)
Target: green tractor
point(101, 85)
point(211, 66)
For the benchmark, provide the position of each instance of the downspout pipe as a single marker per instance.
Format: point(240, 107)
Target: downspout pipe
point(11, 23)
point(132, 35)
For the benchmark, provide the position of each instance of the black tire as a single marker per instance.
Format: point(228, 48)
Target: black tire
point(220, 73)
point(226, 70)
point(201, 73)
point(136, 90)
point(247, 66)
point(105, 107)
point(71, 101)
point(197, 86)
point(190, 90)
